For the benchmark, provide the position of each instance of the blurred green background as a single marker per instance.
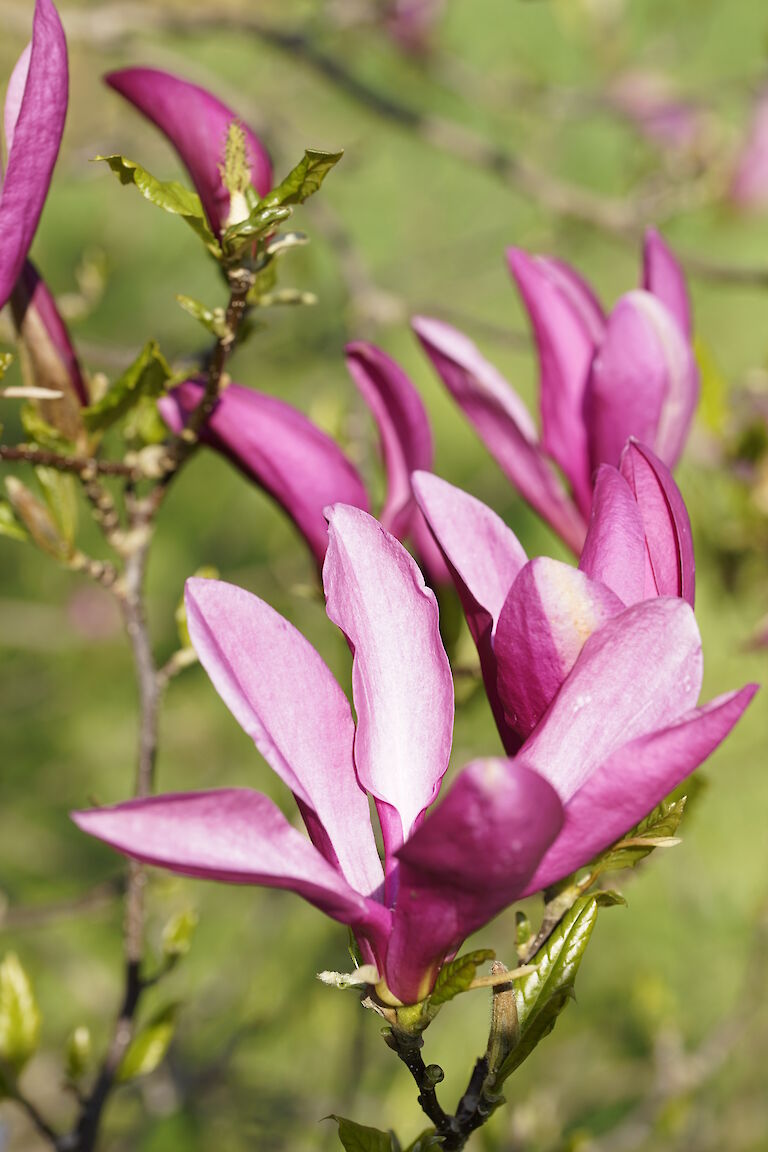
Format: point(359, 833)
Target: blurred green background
point(263, 1051)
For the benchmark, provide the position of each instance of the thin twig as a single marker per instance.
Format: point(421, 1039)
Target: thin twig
point(15, 919)
point(83, 466)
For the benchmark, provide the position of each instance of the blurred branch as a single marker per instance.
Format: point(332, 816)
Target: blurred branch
point(83, 466)
point(14, 919)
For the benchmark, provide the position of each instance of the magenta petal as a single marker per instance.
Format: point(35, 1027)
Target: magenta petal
point(264, 669)
point(663, 276)
point(484, 557)
point(503, 424)
point(644, 382)
point(615, 551)
point(34, 123)
point(234, 836)
point(473, 856)
point(278, 448)
point(633, 780)
point(670, 565)
point(45, 334)
point(196, 123)
point(640, 672)
point(401, 680)
point(563, 320)
point(549, 614)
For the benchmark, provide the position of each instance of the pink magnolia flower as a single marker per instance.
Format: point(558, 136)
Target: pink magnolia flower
point(196, 123)
point(749, 184)
point(282, 451)
point(440, 881)
point(649, 100)
point(601, 381)
point(529, 620)
point(411, 23)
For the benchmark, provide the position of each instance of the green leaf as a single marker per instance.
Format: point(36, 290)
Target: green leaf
point(42, 433)
point(60, 492)
point(212, 319)
point(456, 976)
point(428, 1139)
point(260, 221)
point(19, 1015)
point(178, 932)
point(358, 1138)
point(37, 519)
point(6, 359)
point(542, 995)
point(713, 403)
point(304, 180)
point(656, 830)
point(169, 195)
point(147, 376)
point(9, 525)
point(77, 1055)
point(149, 1046)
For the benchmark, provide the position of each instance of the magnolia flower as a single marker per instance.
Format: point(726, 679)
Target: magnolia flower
point(749, 184)
point(196, 123)
point(411, 23)
point(530, 620)
point(282, 451)
point(602, 381)
point(649, 100)
point(445, 874)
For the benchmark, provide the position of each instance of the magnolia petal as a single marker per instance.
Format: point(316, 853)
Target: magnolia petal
point(277, 447)
point(483, 556)
point(665, 279)
point(473, 855)
point(580, 293)
point(264, 670)
point(34, 123)
point(641, 671)
point(401, 680)
point(556, 303)
point(644, 382)
point(749, 183)
point(235, 836)
point(551, 611)
point(196, 123)
point(503, 424)
point(615, 551)
point(633, 780)
point(670, 564)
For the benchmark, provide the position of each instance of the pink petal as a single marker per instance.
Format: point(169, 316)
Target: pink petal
point(615, 551)
point(14, 96)
point(484, 557)
point(644, 382)
point(34, 124)
point(283, 695)
point(638, 673)
point(665, 279)
point(563, 320)
point(473, 856)
point(549, 614)
point(503, 424)
point(37, 317)
point(633, 780)
point(196, 123)
point(749, 184)
point(670, 565)
point(234, 836)
point(278, 448)
point(401, 680)
point(406, 442)
point(579, 292)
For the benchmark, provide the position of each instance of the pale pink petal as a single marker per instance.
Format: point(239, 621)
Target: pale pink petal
point(472, 857)
point(15, 95)
point(38, 319)
point(503, 424)
point(615, 550)
point(549, 614)
point(563, 322)
point(664, 277)
point(282, 693)
point(401, 680)
point(749, 184)
point(277, 447)
point(644, 382)
point(638, 673)
point(34, 123)
point(196, 123)
point(633, 780)
point(670, 565)
point(484, 557)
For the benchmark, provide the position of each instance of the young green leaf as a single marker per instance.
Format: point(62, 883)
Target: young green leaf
point(9, 525)
point(542, 995)
point(60, 492)
point(77, 1055)
point(42, 433)
point(457, 975)
point(178, 933)
point(37, 519)
point(147, 376)
point(212, 319)
point(169, 195)
point(357, 1138)
point(657, 830)
point(19, 1015)
point(303, 180)
point(149, 1046)
point(258, 223)
point(428, 1139)
point(6, 359)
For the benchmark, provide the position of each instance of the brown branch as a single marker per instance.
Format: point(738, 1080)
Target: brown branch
point(86, 467)
point(15, 919)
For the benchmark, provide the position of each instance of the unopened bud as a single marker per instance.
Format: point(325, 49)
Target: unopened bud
point(236, 175)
